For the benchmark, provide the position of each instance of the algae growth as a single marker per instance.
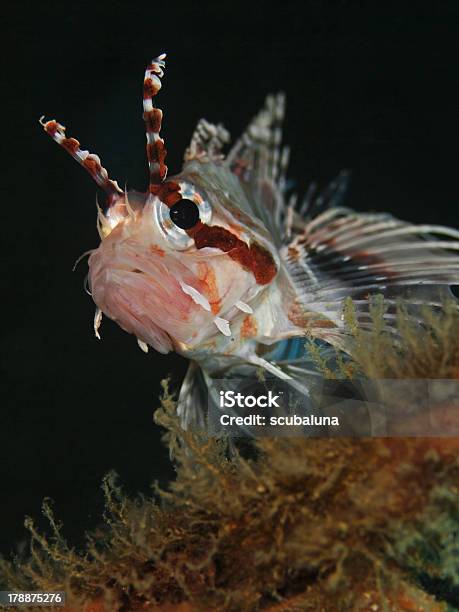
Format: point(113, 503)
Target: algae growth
point(290, 524)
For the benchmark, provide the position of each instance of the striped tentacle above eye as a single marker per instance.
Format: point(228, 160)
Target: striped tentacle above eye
point(156, 151)
point(90, 161)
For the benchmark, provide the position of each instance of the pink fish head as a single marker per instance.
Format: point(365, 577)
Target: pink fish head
point(178, 264)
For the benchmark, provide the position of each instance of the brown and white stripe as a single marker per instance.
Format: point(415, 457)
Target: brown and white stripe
point(90, 161)
point(152, 116)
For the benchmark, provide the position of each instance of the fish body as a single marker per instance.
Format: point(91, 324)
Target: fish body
point(220, 266)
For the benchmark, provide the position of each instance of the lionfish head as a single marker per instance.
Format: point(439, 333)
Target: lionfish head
point(182, 265)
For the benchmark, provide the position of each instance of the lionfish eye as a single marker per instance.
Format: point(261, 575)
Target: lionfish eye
point(184, 214)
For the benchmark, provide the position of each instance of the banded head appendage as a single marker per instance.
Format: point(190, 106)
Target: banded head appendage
point(90, 161)
point(156, 152)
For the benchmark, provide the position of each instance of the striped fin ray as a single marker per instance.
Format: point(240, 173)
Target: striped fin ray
point(315, 202)
point(207, 142)
point(192, 401)
point(342, 253)
point(260, 162)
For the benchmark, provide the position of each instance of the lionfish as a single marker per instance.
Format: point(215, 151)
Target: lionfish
point(219, 264)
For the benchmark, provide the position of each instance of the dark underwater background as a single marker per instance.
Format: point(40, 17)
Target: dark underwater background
point(370, 87)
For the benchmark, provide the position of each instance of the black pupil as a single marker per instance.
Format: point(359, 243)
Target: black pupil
point(185, 214)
